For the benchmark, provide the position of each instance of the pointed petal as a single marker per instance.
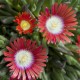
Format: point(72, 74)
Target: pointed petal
point(15, 73)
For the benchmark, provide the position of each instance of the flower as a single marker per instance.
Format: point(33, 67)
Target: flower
point(55, 25)
point(25, 22)
point(26, 59)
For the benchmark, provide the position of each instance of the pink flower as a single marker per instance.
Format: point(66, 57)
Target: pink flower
point(55, 24)
point(25, 59)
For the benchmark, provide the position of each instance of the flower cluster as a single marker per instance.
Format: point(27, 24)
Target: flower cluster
point(25, 57)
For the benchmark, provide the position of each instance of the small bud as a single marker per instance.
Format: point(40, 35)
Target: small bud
point(3, 41)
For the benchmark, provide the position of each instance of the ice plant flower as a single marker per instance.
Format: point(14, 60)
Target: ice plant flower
point(26, 59)
point(55, 24)
point(26, 23)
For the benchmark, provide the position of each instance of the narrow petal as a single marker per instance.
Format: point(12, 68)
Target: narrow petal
point(15, 73)
point(23, 75)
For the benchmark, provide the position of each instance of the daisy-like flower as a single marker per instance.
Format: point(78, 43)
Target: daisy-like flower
point(26, 23)
point(55, 24)
point(26, 59)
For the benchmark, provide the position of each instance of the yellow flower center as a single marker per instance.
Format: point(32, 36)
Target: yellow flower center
point(25, 25)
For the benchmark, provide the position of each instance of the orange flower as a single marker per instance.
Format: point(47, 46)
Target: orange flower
point(25, 22)
point(56, 23)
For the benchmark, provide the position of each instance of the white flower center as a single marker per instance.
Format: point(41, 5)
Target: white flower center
point(24, 58)
point(54, 25)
